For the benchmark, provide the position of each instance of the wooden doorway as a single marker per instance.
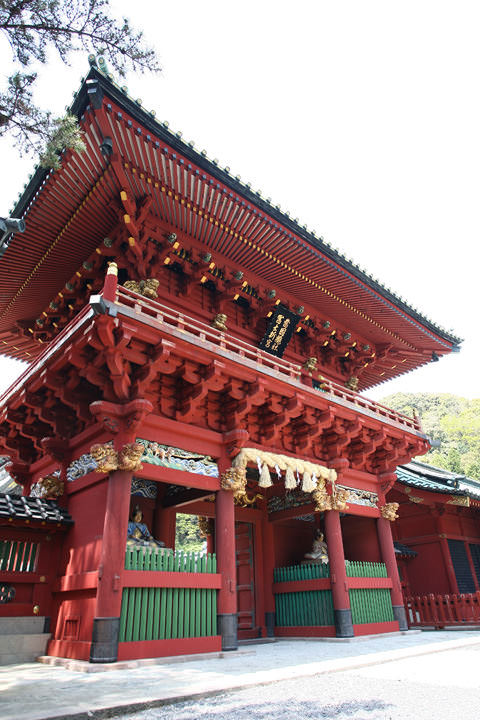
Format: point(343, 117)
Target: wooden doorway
point(245, 561)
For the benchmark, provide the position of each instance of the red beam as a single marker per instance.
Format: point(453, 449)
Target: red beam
point(178, 477)
point(155, 578)
point(302, 585)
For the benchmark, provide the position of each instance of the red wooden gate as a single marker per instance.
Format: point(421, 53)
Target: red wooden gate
point(244, 550)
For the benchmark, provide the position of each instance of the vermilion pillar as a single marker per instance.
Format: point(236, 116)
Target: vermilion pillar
point(225, 547)
point(268, 568)
point(388, 556)
point(123, 420)
point(338, 575)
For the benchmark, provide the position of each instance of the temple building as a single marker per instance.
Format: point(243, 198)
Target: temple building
point(439, 526)
point(192, 349)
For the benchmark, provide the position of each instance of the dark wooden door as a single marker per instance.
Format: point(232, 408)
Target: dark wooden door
point(244, 549)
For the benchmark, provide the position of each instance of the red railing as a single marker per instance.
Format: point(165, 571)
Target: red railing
point(169, 319)
point(442, 610)
point(207, 334)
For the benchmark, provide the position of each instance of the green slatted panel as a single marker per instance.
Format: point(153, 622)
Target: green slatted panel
point(365, 569)
point(155, 614)
point(371, 605)
point(159, 559)
point(304, 608)
point(165, 613)
point(309, 608)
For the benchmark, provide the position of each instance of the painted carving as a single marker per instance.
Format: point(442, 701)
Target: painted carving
point(360, 497)
point(322, 500)
point(389, 511)
point(144, 488)
point(50, 486)
point(80, 467)
point(246, 501)
point(296, 498)
point(105, 456)
point(129, 457)
point(339, 499)
point(156, 454)
point(235, 479)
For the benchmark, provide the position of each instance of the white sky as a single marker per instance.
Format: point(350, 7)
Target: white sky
point(360, 118)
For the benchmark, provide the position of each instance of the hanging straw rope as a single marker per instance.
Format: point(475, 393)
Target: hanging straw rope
point(309, 472)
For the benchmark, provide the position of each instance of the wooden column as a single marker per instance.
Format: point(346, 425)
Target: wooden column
point(123, 420)
point(447, 558)
point(226, 566)
point(338, 575)
point(438, 514)
point(268, 568)
point(384, 530)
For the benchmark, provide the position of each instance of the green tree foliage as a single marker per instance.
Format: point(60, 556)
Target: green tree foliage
point(187, 536)
point(32, 28)
point(452, 421)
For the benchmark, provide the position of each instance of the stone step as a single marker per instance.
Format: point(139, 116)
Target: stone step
point(22, 625)
point(18, 648)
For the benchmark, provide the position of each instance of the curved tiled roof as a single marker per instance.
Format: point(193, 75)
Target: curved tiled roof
point(16, 507)
point(437, 480)
point(203, 201)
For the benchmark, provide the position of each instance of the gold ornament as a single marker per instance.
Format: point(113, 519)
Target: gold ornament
point(220, 322)
point(148, 288)
point(310, 365)
point(322, 500)
point(339, 499)
point(105, 456)
point(352, 383)
point(235, 479)
point(129, 457)
point(246, 501)
point(389, 511)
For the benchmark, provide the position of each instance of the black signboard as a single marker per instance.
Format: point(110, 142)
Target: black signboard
point(279, 331)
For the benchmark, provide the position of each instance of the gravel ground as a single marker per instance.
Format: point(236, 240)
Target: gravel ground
point(431, 687)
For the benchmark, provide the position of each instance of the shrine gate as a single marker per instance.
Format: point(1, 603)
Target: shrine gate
point(193, 349)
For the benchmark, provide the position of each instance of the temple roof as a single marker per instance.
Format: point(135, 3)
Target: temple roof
point(69, 212)
point(33, 508)
point(404, 551)
point(437, 480)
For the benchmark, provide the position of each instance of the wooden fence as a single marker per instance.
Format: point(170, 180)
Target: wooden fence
point(365, 569)
point(168, 595)
point(369, 604)
point(441, 611)
point(303, 596)
point(303, 607)
point(168, 560)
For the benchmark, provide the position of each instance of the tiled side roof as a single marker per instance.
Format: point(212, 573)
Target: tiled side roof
point(404, 550)
point(427, 477)
point(33, 508)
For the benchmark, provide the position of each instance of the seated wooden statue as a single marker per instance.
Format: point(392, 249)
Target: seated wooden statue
point(319, 552)
point(138, 533)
